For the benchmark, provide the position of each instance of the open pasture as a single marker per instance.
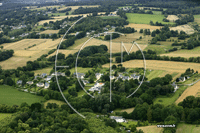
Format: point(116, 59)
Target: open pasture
point(11, 96)
point(145, 18)
point(190, 91)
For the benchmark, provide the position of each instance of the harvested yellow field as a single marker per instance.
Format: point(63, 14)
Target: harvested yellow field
point(151, 129)
point(66, 52)
point(47, 21)
point(76, 7)
point(191, 91)
point(129, 110)
point(143, 26)
point(44, 70)
point(169, 66)
point(22, 53)
point(186, 28)
point(172, 18)
point(49, 32)
point(25, 53)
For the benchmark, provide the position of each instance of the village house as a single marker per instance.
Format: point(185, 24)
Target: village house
point(29, 82)
point(182, 79)
point(48, 78)
point(118, 119)
point(58, 74)
point(112, 77)
point(97, 87)
point(46, 85)
point(40, 84)
point(43, 75)
point(19, 82)
point(98, 75)
point(79, 75)
point(125, 78)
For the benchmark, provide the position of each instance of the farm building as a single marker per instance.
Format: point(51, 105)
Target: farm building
point(46, 85)
point(97, 87)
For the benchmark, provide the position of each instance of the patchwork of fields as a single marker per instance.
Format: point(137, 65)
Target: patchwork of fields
point(11, 96)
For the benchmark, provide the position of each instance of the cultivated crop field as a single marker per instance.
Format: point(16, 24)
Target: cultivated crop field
point(197, 18)
point(186, 28)
point(190, 91)
point(145, 18)
point(11, 96)
point(25, 50)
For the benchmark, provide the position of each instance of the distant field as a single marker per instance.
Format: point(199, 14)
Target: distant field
point(128, 110)
point(23, 52)
point(197, 18)
point(49, 32)
point(150, 129)
point(187, 128)
point(184, 53)
point(169, 66)
point(145, 18)
point(128, 38)
point(109, 17)
point(170, 100)
point(45, 70)
point(11, 96)
point(54, 101)
point(80, 70)
point(4, 115)
point(190, 91)
point(143, 26)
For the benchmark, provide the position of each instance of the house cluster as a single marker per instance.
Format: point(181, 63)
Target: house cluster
point(18, 27)
point(133, 76)
point(126, 8)
point(24, 35)
point(43, 76)
point(97, 87)
point(118, 119)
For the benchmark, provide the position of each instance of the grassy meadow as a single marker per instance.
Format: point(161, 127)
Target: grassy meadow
point(145, 18)
point(4, 115)
point(54, 101)
point(171, 99)
point(11, 96)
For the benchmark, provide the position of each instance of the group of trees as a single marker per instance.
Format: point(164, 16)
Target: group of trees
point(6, 54)
point(125, 30)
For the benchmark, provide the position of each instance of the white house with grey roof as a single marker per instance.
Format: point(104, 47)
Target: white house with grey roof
point(79, 75)
point(46, 85)
point(97, 87)
point(98, 75)
point(118, 119)
point(29, 82)
point(19, 82)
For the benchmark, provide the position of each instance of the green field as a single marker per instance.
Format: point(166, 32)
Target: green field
point(155, 73)
point(187, 128)
point(54, 101)
point(127, 124)
point(11, 96)
point(80, 70)
point(124, 6)
point(4, 115)
point(145, 18)
point(171, 99)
